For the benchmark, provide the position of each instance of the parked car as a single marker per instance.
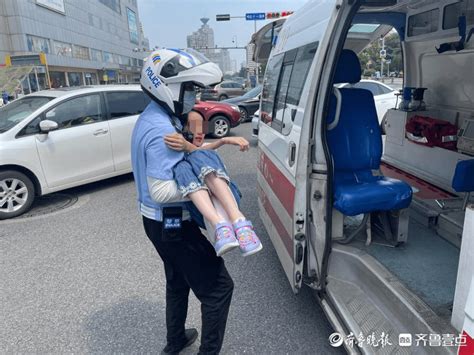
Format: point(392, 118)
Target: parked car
point(223, 91)
point(239, 80)
point(57, 139)
point(255, 123)
point(219, 117)
point(248, 103)
point(384, 95)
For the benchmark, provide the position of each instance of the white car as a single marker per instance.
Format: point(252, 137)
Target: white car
point(384, 97)
point(255, 123)
point(56, 139)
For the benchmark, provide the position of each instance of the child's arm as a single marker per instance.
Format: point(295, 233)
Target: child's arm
point(240, 141)
point(177, 142)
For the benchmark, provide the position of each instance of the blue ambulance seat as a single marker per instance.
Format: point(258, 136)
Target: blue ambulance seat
point(463, 179)
point(355, 142)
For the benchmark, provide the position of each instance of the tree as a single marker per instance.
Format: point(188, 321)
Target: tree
point(370, 57)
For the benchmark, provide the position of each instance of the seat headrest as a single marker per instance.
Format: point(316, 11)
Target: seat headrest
point(348, 68)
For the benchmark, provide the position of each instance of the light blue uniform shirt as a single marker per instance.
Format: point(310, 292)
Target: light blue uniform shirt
point(151, 157)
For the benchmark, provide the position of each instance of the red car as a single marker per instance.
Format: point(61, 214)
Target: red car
point(219, 117)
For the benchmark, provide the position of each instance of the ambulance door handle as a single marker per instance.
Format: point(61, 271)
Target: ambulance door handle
point(291, 153)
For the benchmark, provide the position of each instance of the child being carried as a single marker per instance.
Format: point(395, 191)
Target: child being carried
point(201, 173)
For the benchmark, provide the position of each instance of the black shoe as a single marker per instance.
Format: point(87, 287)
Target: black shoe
point(190, 336)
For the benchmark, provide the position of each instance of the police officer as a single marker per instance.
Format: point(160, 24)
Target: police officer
point(190, 261)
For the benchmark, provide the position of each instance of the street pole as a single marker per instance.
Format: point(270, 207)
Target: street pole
point(381, 58)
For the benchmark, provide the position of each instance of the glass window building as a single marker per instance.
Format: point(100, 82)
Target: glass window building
point(70, 33)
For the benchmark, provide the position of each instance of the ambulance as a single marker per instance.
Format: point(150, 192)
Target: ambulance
point(376, 219)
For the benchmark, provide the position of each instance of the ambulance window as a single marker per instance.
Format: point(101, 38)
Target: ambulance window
point(269, 88)
point(454, 11)
point(280, 98)
point(303, 61)
point(423, 23)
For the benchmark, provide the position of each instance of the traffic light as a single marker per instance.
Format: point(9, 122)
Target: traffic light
point(275, 15)
point(223, 17)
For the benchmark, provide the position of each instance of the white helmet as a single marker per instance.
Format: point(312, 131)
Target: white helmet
point(166, 70)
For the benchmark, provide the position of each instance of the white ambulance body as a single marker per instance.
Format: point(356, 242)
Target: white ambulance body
point(386, 239)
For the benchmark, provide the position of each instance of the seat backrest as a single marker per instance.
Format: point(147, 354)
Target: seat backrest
point(355, 141)
point(463, 178)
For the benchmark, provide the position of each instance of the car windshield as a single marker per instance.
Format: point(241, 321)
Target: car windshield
point(252, 93)
point(16, 111)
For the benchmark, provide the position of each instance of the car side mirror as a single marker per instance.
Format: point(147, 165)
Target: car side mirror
point(47, 126)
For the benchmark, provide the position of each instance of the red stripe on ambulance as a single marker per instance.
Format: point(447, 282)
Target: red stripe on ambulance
point(279, 183)
point(286, 239)
point(468, 348)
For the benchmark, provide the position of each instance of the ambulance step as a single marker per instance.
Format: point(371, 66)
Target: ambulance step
point(371, 329)
point(373, 301)
point(450, 226)
point(448, 223)
point(425, 212)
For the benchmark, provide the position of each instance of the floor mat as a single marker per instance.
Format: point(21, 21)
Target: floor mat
point(425, 189)
point(427, 264)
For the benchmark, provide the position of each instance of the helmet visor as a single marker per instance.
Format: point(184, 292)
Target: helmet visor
point(184, 60)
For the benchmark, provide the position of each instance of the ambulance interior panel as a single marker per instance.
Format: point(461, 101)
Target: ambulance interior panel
point(429, 255)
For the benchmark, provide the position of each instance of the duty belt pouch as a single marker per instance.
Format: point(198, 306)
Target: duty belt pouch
point(172, 224)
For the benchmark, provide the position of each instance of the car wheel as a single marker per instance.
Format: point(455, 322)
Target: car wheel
point(243, 115)
point(220, 126)
point(17, 193)
point(223, 97)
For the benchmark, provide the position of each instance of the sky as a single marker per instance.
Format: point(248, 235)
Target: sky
point(166, 23)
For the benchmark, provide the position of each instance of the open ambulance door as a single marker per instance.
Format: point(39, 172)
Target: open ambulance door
point(284, 133)
point(314, 169)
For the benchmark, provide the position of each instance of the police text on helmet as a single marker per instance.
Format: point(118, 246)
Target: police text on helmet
point(153, 78)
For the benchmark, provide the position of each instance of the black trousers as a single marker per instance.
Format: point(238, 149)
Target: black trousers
point(191, 263)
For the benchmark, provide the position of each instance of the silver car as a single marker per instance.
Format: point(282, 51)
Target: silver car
point(223, 91)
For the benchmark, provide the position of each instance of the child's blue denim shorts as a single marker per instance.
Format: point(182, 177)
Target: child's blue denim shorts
point(190, 172)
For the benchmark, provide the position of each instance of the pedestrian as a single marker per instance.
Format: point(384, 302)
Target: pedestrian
point(4, 97)
point(190, 261)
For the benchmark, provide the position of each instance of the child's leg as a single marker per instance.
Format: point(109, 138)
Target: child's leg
point(204, 204)
point(190, 186)
point(243, 228)
point(220, 188)
point(208, 166)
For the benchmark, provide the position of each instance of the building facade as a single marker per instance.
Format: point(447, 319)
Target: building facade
point(85, 42)
point(251, 66)
point(203, 41)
